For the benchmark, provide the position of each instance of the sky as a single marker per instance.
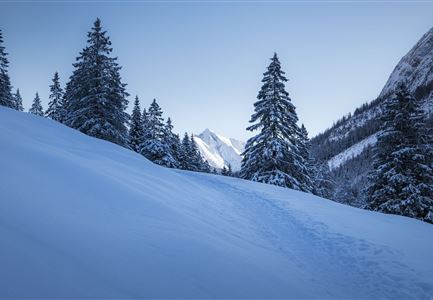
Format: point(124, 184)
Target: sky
point(204, 60)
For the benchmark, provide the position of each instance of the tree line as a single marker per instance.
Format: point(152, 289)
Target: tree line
point(95, 100)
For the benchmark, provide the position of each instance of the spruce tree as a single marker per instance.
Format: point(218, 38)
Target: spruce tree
point(6, 98)
point(36, 108)
point(305, 164)
point(95, 97)
point(402, 180)
point(273, 156)
point(197, 163)
point(18, 101)
point(324, 185)
point(185, 149)
point(154, 147)
point(136, 130)
point(172, 140)
point(55, 109)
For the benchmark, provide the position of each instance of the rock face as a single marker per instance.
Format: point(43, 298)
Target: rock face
point(347, 143)
point(415, 69)
point(220, 151)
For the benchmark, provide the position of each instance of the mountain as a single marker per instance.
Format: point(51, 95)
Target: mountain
point(85, 218)
point(220, 151)
point(346, 146)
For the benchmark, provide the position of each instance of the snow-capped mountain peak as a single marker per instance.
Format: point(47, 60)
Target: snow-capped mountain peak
point(219, 150)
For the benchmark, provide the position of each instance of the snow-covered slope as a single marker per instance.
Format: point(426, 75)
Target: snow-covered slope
point(220, 151)
point(84, 218)
point(351, 152)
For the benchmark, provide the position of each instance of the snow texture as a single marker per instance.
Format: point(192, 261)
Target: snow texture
point(85, 218)
point(220, 151)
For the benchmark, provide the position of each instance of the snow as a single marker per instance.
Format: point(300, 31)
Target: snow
point(84, 218)
point(220, 151)
point(351, 152)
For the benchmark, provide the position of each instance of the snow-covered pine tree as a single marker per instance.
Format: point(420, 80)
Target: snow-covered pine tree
point(55, 109)
point(324, 185)
point(304, 160)
point(224, 171)
point(18, 101)
point(136, 130)
point(197, 162)
point(95, 97)
point(6, 98)
point(185, 149)
point(272, 156)
point(36, 108)
point(402, 180)
point(173, 141)
point(153, 147)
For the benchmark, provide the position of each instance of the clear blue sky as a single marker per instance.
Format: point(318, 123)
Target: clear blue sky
point(204, 61)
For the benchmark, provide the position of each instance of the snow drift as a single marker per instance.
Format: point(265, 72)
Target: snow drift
point(84, 218)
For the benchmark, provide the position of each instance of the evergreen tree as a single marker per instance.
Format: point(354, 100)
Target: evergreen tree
point(154, 148)
point(227, 171)
point(6, 98)
point(402, 180)
point(172, 140)
point(18, 101)
point(324, 185)
point(55, 109)
point(36, 108)
point(304, 161)
point(197, 163)
point(272, 156)
point(136, 130)
point(184, 159)
point(95, 97)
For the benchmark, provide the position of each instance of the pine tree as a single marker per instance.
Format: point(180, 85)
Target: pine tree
point(55, 109)
point(227, 171)
point(184, 159)
point(153, 147)
point(272, 156)
point(36, 108)
point(136, 130)
point(305, 164)
point(197, 163)
point(18, 101)
point(172, 140)
point(95, 97)
point(402, 180)
point(324, 185)
point(6, 98)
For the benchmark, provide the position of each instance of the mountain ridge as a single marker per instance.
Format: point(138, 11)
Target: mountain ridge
point(220, 151)
point(344, 143)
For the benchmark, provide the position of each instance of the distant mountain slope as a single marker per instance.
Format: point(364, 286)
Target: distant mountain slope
point(335, 145)
point(84, 218)
point(220, 151)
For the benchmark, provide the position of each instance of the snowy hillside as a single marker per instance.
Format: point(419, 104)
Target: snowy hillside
point(351, 152)
point(220, 151)
point(344, 144)
point(84, 218)
point(415, 69)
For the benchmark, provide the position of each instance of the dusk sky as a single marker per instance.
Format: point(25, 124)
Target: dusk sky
point(203, 62)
